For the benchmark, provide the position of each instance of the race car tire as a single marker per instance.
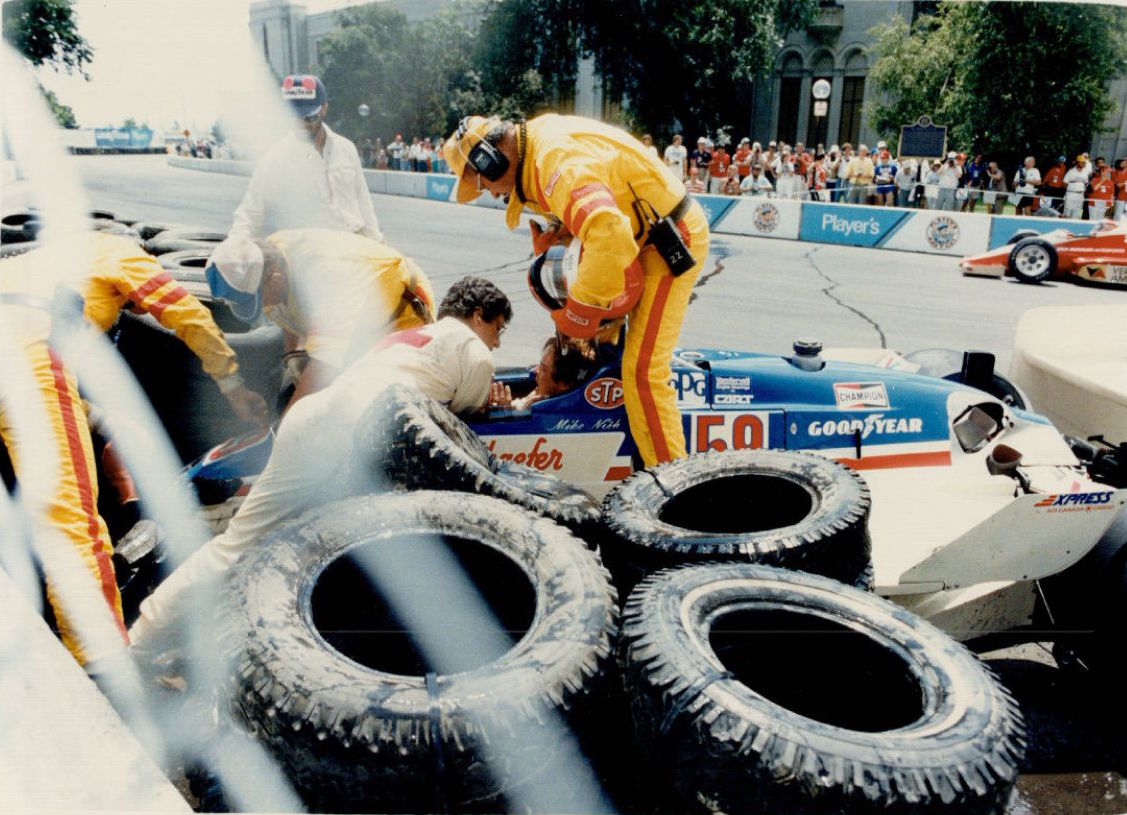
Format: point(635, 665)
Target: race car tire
point(1022, 234)
point(756, 690)
point(187, 265)
point(359, 725)
point(187, 401)
point(11, 250)
point(19, 227)
point(147, 230)
point(415, 441)
point(1032, 260)
point(175, 240)
point(793, 509)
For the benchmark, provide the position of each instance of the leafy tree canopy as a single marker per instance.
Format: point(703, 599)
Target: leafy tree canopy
point(1008, 79)
point(45, 32)
point(687, 61)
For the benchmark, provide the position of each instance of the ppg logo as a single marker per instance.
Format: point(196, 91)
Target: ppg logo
point(604, 393)
point(692, 388)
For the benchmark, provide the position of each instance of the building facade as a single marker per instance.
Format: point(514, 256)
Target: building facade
point(834, 48)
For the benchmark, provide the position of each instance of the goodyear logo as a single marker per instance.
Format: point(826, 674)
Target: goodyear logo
point(604, 393)
point(1075, 499)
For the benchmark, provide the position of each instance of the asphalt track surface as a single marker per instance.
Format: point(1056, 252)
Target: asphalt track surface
point(755, 294)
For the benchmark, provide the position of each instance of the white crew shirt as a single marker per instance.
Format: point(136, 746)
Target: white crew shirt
point(296, 187)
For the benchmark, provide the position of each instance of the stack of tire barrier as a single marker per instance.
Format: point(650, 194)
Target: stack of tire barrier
point(19, 231)
point(741, 687)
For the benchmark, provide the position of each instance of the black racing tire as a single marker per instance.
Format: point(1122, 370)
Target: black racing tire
point(11, 250)
point(20, 227)
point(175, 240)
point(148, 230)
point(348, 713)
point(1032, 260)
point(187, 401)
point(187, 265)
point(793, 509)
point(761, 690)
point(417, 442)
point(1022, 234)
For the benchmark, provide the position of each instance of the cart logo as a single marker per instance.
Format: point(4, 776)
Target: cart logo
point(732, 399)
point(1076, 501)
point(766, 217)
point(942, 232)
point(860, 395)
point(604, 393)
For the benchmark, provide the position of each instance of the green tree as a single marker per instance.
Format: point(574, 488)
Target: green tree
point(690, 62)
point(1008, 79)
point(62, 113)
point(45, 32)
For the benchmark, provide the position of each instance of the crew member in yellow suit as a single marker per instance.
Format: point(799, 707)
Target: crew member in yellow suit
point(601, 185)
point(120, 275)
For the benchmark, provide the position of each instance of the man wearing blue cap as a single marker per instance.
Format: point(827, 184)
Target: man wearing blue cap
point(312, 178)
point(333, 294)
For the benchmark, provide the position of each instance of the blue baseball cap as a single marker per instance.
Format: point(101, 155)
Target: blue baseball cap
point(234, 274)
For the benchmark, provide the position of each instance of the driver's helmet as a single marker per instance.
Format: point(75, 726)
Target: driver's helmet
point(554, 271)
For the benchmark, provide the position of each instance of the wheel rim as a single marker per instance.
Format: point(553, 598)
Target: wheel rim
point(1032, 261)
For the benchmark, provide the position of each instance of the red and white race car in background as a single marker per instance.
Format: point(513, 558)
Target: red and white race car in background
point(1098, 257)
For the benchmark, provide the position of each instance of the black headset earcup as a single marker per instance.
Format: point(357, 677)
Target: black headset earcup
point(488, 160)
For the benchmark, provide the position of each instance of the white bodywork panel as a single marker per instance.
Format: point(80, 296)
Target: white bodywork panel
point(1072, 361)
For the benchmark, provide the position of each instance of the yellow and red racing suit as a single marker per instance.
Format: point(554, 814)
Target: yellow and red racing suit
point(119, 274)
point(598, 180)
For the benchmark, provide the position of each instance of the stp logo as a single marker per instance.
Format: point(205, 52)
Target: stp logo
point(604, 393)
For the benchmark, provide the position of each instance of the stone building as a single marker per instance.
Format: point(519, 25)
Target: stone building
point(834, 48)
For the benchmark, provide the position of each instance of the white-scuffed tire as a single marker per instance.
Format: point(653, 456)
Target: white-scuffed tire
point(760, 690)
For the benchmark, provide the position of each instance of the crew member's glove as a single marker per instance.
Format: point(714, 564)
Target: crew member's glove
point(248, 405)
point(578, 320)
point(543, 239)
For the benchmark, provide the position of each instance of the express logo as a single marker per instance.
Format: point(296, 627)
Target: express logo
point(766, 217)
point(604, 393)
point(860, 395)
point(1076, 499)
point(942, 232)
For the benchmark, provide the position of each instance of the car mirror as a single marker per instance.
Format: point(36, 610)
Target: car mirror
point(977, 425)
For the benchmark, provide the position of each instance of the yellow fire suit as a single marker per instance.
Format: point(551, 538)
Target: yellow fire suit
point(120, 274)
point(345, 292)
point(596, 179)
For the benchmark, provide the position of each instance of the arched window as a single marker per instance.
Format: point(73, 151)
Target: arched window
point(790, 95)
point(852, 97)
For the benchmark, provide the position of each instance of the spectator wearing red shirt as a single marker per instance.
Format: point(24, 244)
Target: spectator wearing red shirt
point(742, 158)
point(1053, 186)
point(718, 170)
point(802, 159)
point(1101, 194)
point(1120, 179)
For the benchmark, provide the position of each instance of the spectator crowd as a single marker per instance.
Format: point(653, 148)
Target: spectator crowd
point(957, 182)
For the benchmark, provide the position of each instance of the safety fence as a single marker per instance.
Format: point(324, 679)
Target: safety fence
point(930, 231)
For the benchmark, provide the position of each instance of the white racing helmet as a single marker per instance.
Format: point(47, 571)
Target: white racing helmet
point(553, 272)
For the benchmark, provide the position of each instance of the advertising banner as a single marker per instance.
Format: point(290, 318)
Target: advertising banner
point(943, 233)
point(851, 225)
point(762, 218)
point(440, 187)
point(114, 138)
point(715, 208)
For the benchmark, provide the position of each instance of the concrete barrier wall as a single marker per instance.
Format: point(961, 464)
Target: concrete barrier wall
point(908, 230)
